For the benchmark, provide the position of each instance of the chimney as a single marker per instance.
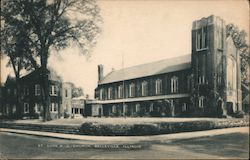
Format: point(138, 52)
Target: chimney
point(100, 72)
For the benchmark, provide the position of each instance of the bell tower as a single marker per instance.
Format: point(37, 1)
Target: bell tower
point(208, 65)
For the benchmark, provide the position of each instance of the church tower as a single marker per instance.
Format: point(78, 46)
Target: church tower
point(211, 51)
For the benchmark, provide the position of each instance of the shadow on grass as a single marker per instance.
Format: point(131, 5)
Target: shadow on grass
point(228, 145)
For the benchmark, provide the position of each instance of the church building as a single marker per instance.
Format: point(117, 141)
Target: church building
point(206, 82)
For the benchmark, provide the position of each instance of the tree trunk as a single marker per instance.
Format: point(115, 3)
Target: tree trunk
point(45, 86)
point(19, 101)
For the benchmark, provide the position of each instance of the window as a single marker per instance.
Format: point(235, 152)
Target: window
point(201, 102)
point(132, 90)
point(7, 109)
point(201, 80)
point(158, 86)
point(56, 107)
point(174, 84)
point(113, 109)
point(201, 38)
point(53, 91)
point(26, 91)
point(37, 90)
point(110, 93)
point(184, 107)
point(26, 107)
point(219, 79)
point(188, 83)
point(151, 108)
point(14, 108)
point(144, 88)
point(120, 91)
point(8, 91)
point(66, 93)
point(53, 107)
point(125, 108)
point(101, 94)
point(137, 107)
point(37, 108)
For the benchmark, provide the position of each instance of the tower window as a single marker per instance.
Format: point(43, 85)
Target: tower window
point(201, 80)
point(201, 38)
point(201, 102)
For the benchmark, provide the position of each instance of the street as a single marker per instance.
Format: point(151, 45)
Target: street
point(234, 145)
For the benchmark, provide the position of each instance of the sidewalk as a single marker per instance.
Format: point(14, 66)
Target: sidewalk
point(133, 139)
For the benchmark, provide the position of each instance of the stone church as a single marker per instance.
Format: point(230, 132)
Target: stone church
point(206, 82)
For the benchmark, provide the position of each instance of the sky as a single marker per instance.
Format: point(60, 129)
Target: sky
point(140, 31)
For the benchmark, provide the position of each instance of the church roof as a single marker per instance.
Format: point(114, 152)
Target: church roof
point(149, 69)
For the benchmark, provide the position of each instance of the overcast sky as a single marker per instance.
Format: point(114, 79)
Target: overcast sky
point(143, 31)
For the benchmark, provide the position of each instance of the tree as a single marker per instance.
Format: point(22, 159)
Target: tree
point(77, 92)
point(55, 24)
point(14, 44)
point(239, 38)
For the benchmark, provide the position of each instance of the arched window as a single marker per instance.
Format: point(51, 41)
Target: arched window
point(144, 89)
point(158, 86)
point(174, 84)
point(201, 102)
point(114, 109)
point(101, 94)
point(120, 91)
point(137, 107)
point(132, 90)
point(110, 93)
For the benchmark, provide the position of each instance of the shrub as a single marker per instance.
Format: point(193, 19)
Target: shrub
point(144, 129)
point(66, 114)
point(239, 114)
point(97, 129)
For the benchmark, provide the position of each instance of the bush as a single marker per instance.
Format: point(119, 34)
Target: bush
point(143, 129)
point(66, 114)
point(239, 114)
point(97, 129)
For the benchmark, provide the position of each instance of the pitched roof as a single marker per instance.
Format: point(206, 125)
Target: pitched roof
point(149, 69)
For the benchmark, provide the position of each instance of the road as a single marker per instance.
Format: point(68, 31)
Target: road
point(234, 145)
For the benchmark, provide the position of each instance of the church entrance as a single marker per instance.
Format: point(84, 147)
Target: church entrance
point(230, 108)
point(219, 108)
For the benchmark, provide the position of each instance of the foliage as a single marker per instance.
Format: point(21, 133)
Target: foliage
point(239, 38)
point(93, 128)
point(43, 26)
point(77, 92)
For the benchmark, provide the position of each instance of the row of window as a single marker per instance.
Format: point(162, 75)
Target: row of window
point(38, 107)
point(138, 108)
point(144, 89)
point(53, 90)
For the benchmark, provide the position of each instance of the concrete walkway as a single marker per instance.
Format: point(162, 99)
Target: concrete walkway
point(133, 139)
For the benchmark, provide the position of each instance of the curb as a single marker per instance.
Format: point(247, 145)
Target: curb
point(132, 139)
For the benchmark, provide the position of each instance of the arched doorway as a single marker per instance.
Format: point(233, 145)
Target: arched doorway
point(219, 108)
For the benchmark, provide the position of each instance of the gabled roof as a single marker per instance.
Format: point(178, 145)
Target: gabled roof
point(51, 72)
point(149, 69)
